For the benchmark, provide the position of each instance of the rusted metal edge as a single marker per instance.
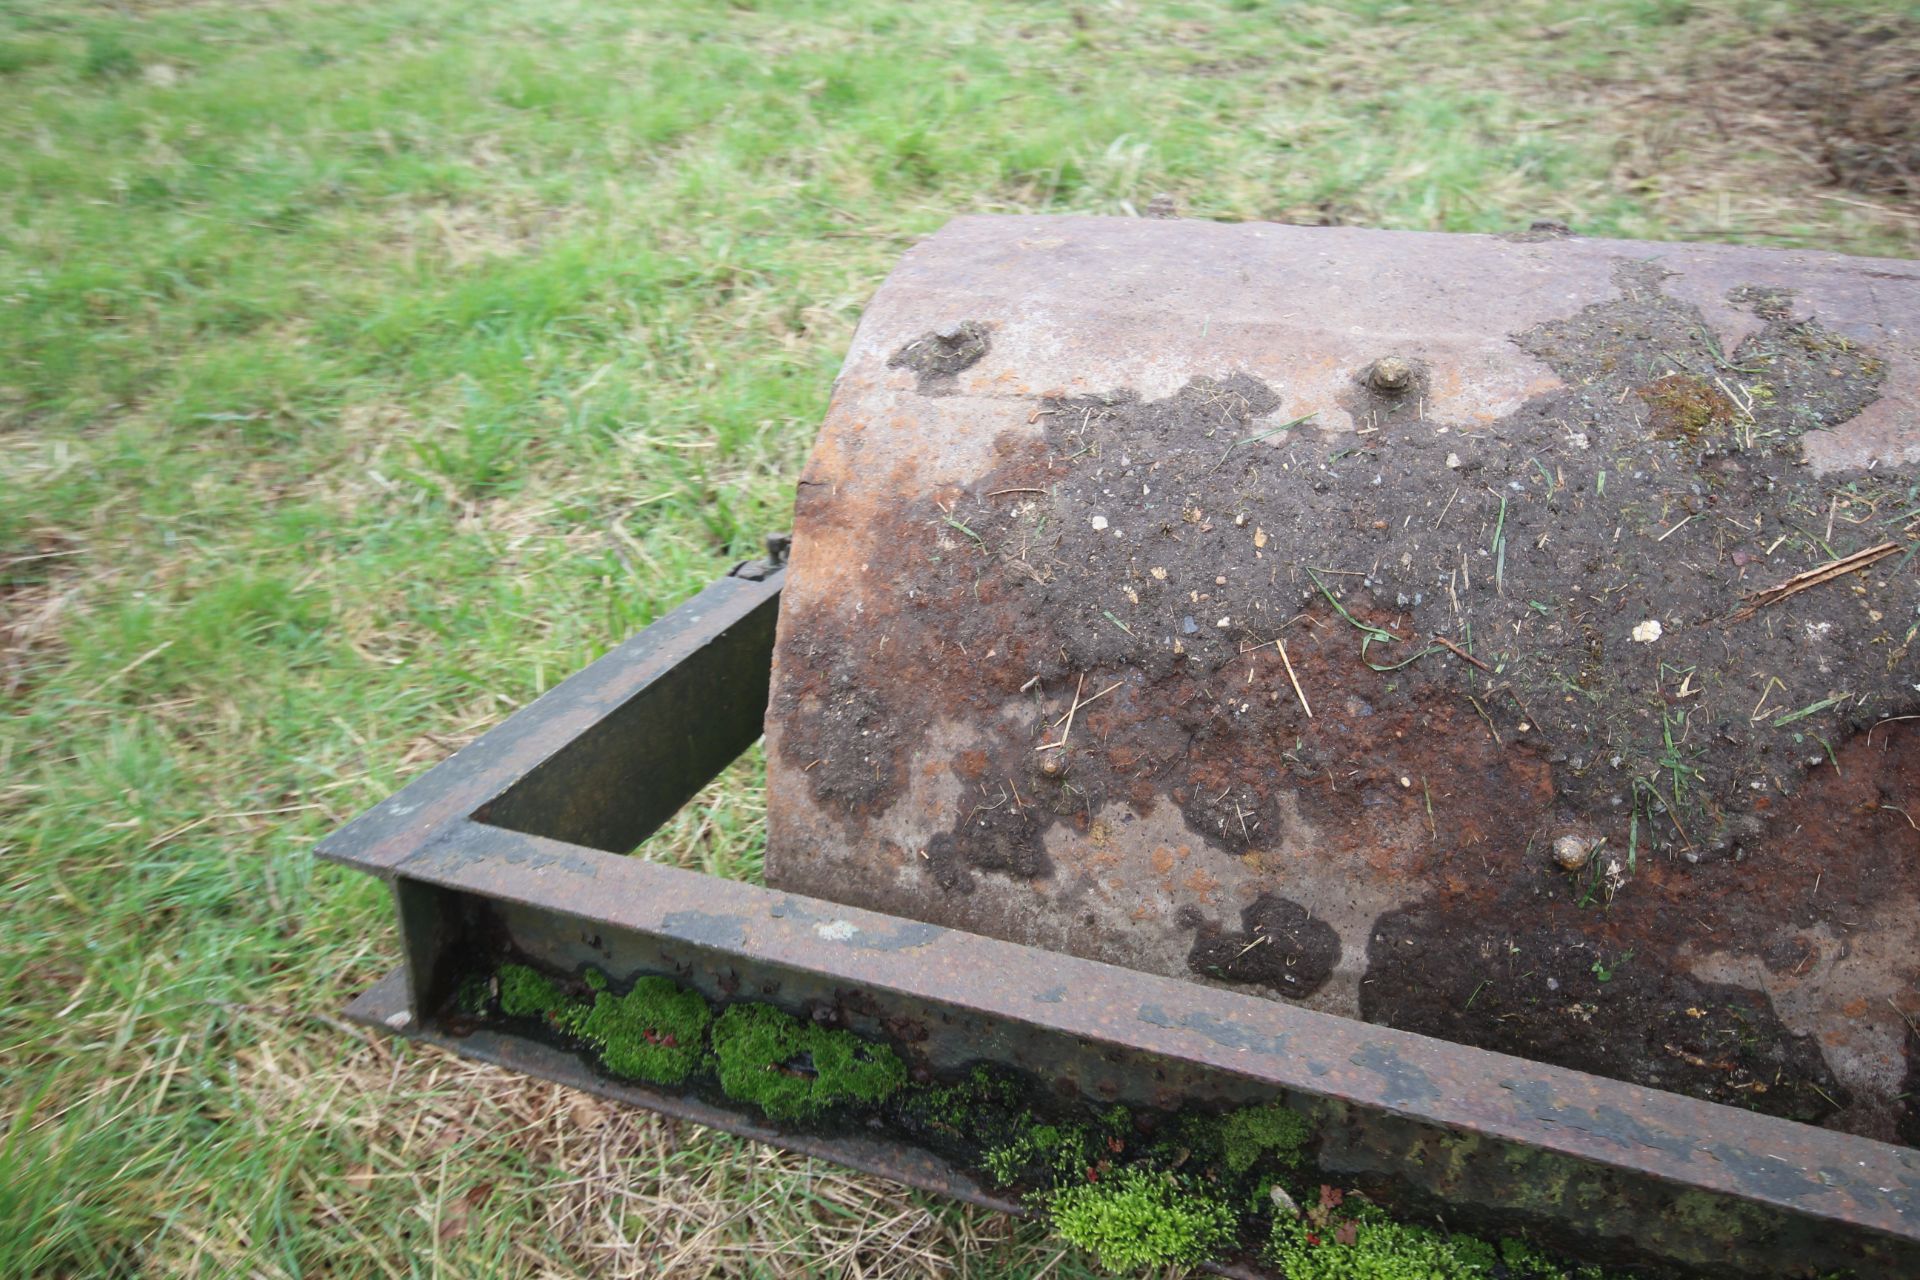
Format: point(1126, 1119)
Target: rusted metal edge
point(1853, 1183)
point(712, 650)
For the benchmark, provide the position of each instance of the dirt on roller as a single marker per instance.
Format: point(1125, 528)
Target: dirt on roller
point(1494, 735)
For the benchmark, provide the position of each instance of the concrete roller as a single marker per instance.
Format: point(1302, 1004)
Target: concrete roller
point(1505, 639)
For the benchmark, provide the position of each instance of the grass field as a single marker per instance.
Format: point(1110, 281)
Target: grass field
point(367, 368)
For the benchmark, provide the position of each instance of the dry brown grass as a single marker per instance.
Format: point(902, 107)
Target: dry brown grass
point(627, 1194)
point(38, 581)
point(1736, 132)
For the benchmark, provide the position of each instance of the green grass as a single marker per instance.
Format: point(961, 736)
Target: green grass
point(365, 369)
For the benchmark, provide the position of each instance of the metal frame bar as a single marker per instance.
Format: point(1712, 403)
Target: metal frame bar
point(517, 838)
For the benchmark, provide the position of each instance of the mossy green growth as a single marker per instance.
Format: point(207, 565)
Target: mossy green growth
point(1367, 1245)
point(1040, 1153)
point(1273, 1131)
point(1358, 1241)
point(528, 993)
point(981, 1102)
point(1142, 1218)
point(793, 1070)
point(1524, 1262)
point(474, 996)
point(655, 1032)
point(1181, 1201)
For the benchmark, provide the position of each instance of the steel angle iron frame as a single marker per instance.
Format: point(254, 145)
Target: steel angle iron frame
point(518, 841)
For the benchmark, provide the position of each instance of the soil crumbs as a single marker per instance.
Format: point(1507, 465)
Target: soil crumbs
point(1585, 557)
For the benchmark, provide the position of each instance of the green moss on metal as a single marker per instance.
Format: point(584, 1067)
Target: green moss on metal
point(656, 1032)
point(793, 1070)
point(1705, 1217)
point(1143, 1218)
point(988, 1115)
point(474, 995)
point(1372, 1247)
point(1133, 1192)
point(1340, 1237)
point(665, 1033)
point(1538, 1180)
point(1273, 1132)
point(1041, 1153)
point(527, 993)
point(969, 1108)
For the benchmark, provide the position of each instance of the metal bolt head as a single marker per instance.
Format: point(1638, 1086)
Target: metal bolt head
point(1390, 374)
